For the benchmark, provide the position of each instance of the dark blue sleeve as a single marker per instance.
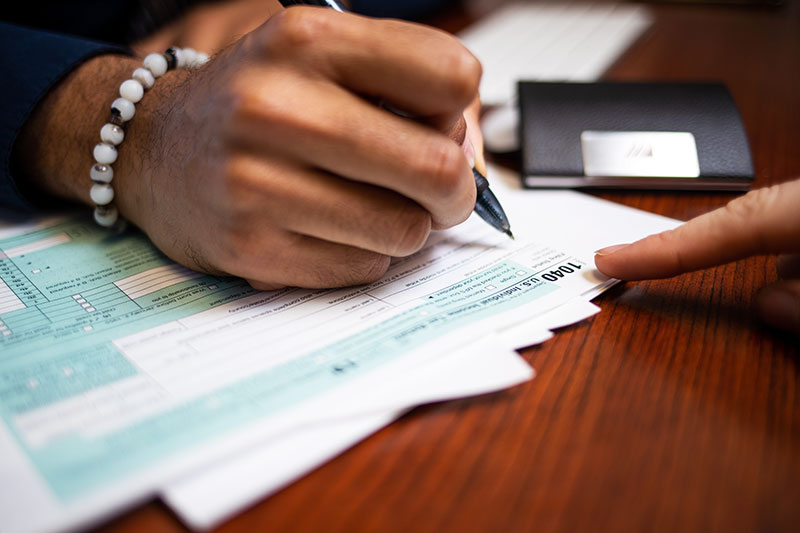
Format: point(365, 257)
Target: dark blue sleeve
point(31, 62)
point(408, 9)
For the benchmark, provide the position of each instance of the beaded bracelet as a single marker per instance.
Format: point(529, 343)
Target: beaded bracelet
point(122, 110)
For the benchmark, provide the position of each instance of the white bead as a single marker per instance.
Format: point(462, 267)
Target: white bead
point(105, 154)
point(101, 173)
point(125, 107)
point(106, 216)
point(190, 57)
point(202, 59)
point(156, 63)
point(131, 90)
point(180, 58)
point(101, 193)
point(112, 134)
point(145, 77)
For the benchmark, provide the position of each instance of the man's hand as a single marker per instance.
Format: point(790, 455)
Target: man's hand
point(763, 221)
point(274, 162)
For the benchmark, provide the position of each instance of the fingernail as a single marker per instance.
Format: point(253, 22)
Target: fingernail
point(469, 150)
point(610, 249)
point(779, 308)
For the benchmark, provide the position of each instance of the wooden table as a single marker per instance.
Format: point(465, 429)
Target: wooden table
point(671, 410)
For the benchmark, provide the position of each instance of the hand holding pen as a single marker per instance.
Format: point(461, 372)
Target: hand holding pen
point(272, 162)
point(486, 204)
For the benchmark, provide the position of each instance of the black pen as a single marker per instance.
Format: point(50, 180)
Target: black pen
point(486, 205)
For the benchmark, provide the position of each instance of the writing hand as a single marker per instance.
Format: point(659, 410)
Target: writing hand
point(273, 162)
point(211, 27)
point(763, 221)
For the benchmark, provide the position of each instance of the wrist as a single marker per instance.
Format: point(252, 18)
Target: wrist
point(145, 155)
point(55, 146)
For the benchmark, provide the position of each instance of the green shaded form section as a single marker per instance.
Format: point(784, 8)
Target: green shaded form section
point(74, 465)
point(62, 376)
point(59, 343)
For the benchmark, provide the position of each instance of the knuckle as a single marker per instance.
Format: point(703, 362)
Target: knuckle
point(464, 73)
point(258, 96)
point(749, 209)
point(409, 231)
point(355, 268)
point(748, 206)
point(297, 28)
point(237, 184)
point(366, 269)
point(272, 107)
point(442, 164)
point(264, 255)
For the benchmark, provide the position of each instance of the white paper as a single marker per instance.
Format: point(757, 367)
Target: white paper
point(550, 42)
point(210, 496)
point(584, 222)
point(205, 499)
point(191, 362)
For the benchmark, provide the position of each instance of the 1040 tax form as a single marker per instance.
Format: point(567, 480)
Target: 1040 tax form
point(121, 371)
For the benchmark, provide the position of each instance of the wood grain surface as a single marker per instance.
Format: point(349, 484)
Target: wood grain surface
point(672, 410)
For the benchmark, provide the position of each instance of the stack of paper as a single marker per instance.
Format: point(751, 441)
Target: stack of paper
point(124, 376)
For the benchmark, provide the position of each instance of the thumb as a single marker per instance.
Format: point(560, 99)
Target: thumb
point(760, 222)
point(779, 305)
point(474, 135)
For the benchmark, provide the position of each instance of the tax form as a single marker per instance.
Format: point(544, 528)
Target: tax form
point(205, 498)
point(123, 371)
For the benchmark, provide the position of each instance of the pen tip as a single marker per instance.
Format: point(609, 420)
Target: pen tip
point(508, 232)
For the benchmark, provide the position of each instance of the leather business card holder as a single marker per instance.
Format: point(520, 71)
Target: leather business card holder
point(632, 135)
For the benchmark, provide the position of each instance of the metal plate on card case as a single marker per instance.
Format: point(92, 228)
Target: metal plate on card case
point(671, 154)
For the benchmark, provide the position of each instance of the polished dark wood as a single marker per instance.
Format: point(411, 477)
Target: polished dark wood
point(672, 410)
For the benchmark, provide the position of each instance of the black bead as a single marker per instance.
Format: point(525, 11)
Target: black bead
point(170, 54)
point(116, 119)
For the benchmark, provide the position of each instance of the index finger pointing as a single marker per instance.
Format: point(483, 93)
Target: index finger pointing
point(763, 221)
